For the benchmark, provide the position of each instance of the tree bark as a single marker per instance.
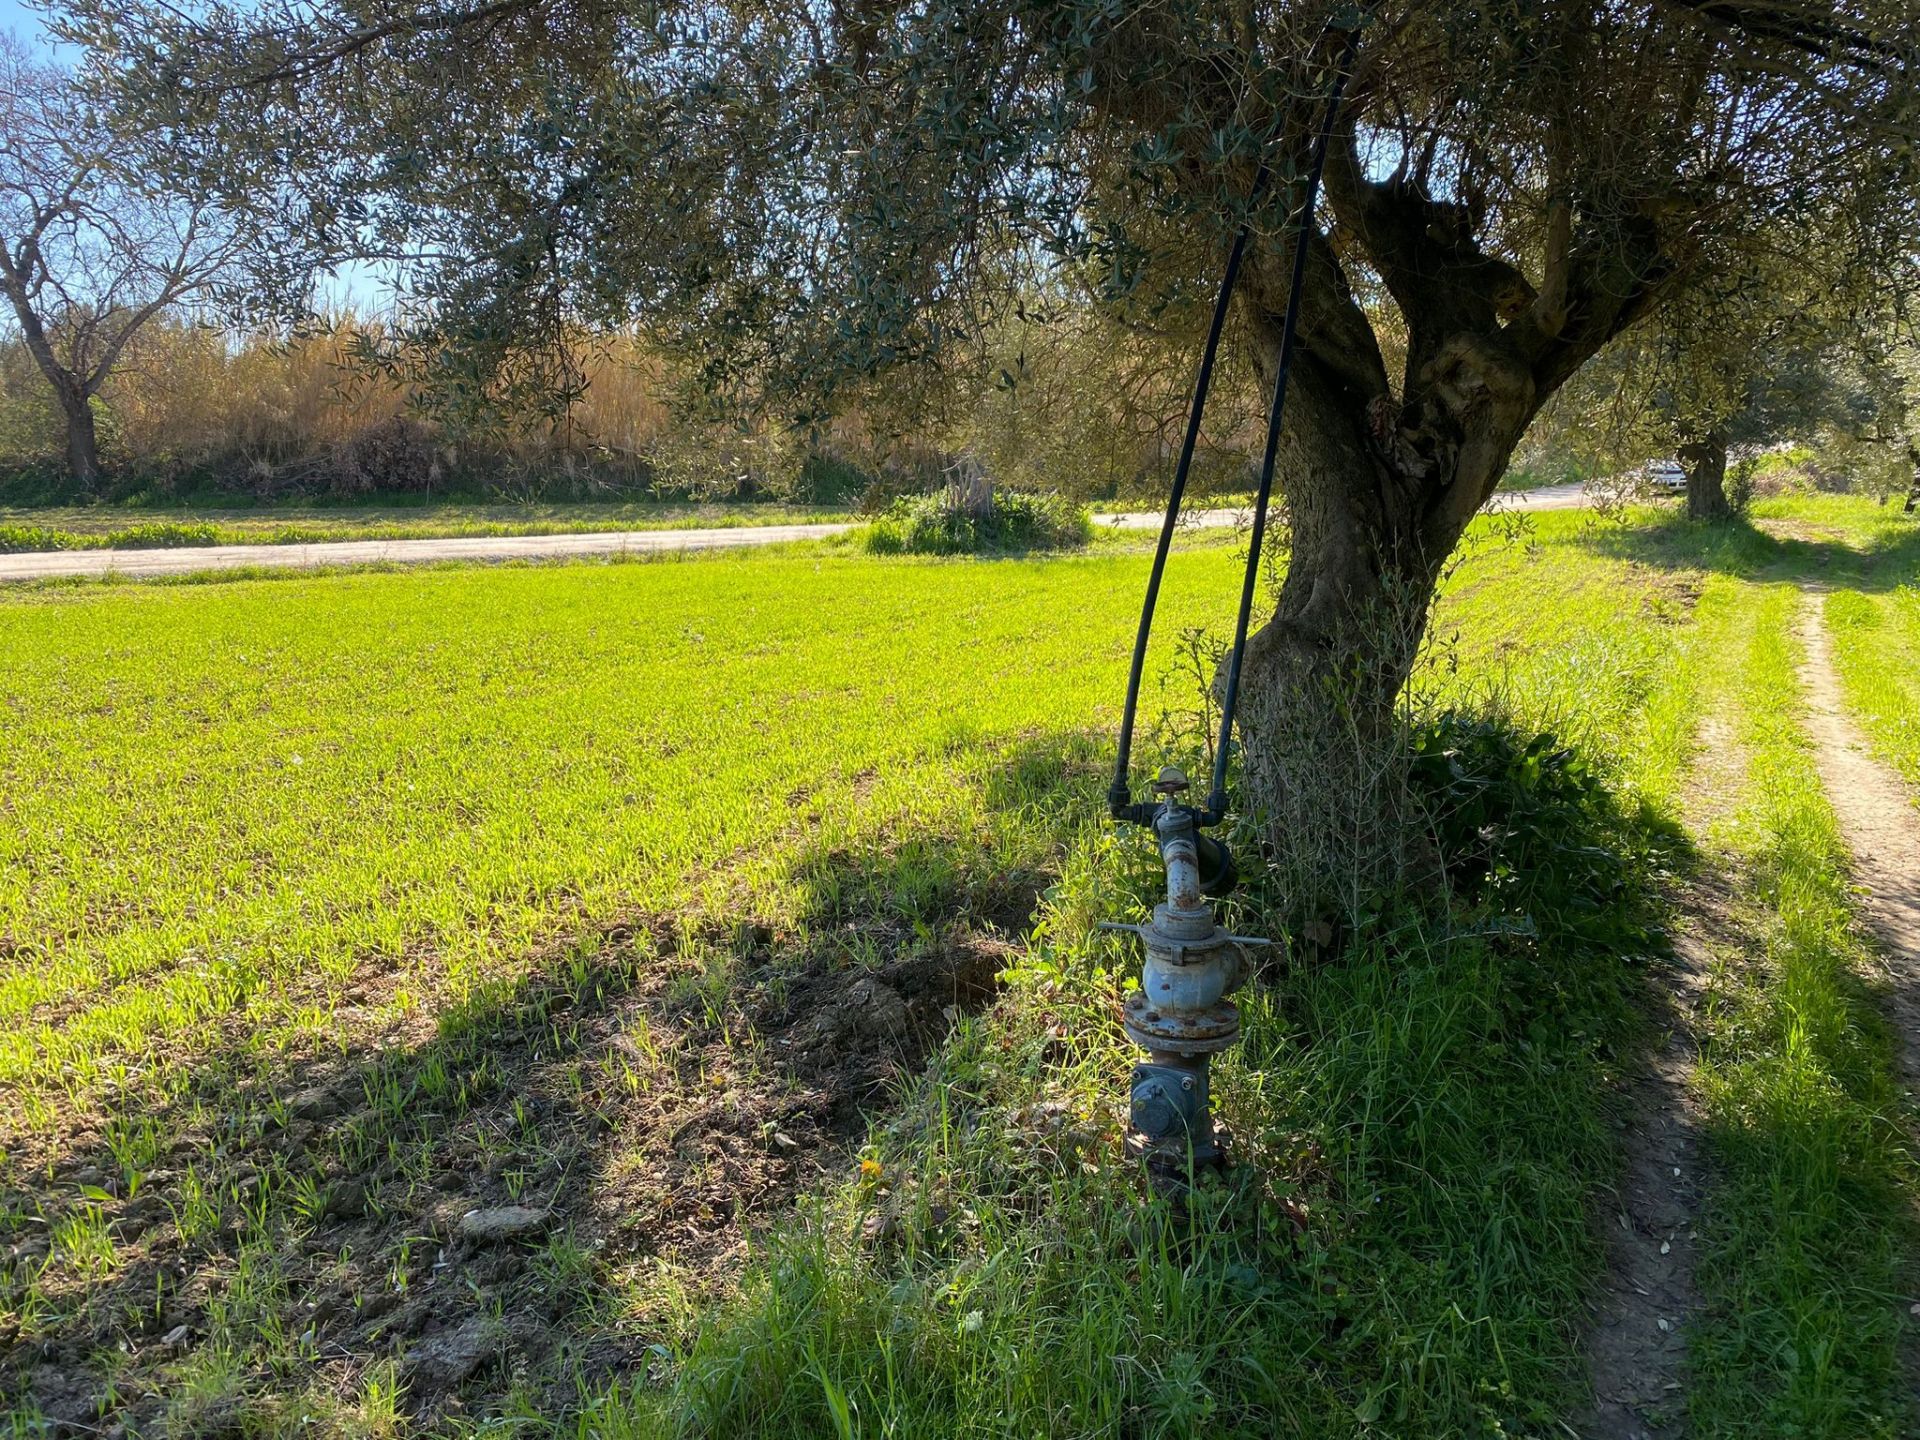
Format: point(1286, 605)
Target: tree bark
point(83, 444)
point(1377, 497)
point(69, 389)
point(1381, 479)
point(1706, 462)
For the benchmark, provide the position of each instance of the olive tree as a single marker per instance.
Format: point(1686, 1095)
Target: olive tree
point(1777, 354)
point(813, 199)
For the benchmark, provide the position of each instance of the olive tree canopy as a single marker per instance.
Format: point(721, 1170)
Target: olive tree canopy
point(811, 198)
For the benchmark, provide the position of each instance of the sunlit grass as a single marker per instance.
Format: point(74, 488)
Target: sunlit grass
point(249, 792)
point(398, 817)
point(1807, 1231)
point(1877, 652)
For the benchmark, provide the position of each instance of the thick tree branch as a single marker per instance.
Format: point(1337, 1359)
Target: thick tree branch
point(1424, 251)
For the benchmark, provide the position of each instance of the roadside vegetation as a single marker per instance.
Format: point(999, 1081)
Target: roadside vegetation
point(995, 521)
point(74, 528)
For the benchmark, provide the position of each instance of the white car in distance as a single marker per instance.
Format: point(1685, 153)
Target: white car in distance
point(1669, 476)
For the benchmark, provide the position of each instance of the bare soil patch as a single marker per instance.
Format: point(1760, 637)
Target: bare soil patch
point(460, 1196)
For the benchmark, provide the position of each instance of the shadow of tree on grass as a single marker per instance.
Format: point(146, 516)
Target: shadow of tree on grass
point(1760, 550)
point(509, 1198)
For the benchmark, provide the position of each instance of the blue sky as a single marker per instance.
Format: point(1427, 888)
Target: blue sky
point(24, 21)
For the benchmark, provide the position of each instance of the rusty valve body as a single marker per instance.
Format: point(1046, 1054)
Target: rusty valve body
point(1180, 1014)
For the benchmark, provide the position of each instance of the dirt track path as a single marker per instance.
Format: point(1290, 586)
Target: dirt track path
point(1879, 823)
point(1636, 1340)
point(1636, 1364)
point(186, 560)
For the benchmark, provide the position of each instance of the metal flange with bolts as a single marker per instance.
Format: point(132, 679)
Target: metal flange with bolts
point(1180, 1014)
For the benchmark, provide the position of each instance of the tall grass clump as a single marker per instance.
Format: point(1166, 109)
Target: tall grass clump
point(1005, 522)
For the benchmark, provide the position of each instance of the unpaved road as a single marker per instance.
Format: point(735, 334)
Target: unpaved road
point(137, 564)
point(1636, 1339)
point(1879, 823)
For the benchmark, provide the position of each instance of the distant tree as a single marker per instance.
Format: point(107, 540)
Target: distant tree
point(808, 197)
point(1769, 357)
point(90, 250)
point(1761, 364)
point(1873, 437)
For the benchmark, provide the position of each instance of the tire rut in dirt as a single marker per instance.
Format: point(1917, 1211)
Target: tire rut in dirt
point(1636, 1342)
point(1880, 825)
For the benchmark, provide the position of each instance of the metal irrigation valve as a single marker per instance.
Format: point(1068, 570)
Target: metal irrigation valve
point(1180, 1014)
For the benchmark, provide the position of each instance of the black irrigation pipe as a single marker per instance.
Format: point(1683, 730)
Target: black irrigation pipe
point(1303, 237)
point(1120, 793)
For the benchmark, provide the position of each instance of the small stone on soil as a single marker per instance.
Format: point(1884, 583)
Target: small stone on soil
point(445, 1358)
point(502, 1222)
point(318, 1103)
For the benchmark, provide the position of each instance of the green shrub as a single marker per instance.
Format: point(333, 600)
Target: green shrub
point(16, 538)
point(153, 535)
point(1011, 521)
point(1525, 825)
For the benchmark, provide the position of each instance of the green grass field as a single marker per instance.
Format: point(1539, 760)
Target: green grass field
point(333, 908)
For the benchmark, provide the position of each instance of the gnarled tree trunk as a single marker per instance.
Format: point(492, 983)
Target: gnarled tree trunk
point(1380, 481)
point(1706, 462)
point(1380, 476)
point(1378, 494)
point(83, 443)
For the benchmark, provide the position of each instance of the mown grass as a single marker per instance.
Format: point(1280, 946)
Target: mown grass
point(520, 862)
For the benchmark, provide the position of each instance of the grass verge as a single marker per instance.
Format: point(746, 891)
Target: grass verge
point(119, 528)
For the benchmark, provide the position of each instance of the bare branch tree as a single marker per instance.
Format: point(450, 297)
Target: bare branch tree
point(89, 252)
